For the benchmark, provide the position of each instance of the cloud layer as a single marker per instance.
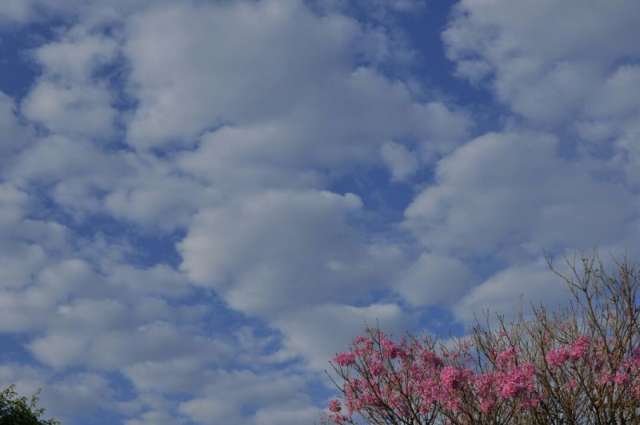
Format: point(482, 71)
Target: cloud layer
point(202, 201)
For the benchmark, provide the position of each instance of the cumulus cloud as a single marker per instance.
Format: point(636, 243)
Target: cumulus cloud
point(81, 111)
point(497, 206)
point(320, 332)
point(200, 82)
point(29, 247)
point(82, 309)
point(298, 243)
point(293, 257)
point(400, 161)
point(565, 69)
point(512, 290)
point(86, 180)
point(512, 193)
point(175, 188)
point(68, 99)
point(76, 56)
point(317, 106)
point(75, 394)
point(287, 416)
point(80, 394)
point(435, 280)
point(486, 35)
point(247, 391)
point(20, 12)
point(15, 136)
point(27, 379)
point(558, 66)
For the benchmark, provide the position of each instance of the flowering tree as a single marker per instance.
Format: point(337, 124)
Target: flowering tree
point(580, 365)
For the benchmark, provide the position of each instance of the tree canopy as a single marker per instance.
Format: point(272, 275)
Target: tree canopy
point(20, 410)
point(577, 366)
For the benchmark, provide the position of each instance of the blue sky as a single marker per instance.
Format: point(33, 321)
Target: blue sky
point(202, 201)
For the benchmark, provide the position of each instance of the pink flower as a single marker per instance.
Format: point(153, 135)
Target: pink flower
point(571, 385)
point(486, 405)
point(339, 419)
point(345, 359)
point(431, 359)
point(558, 357)
point(335, 406)
point(518, 381)
point(621, 378)
point(390, 349)
point(578, 349)
point(360, 340)
point(452, 377)
point(484, 384)
point(485, 390)
point(605, 378)
point(506, 357)
point(376, 368)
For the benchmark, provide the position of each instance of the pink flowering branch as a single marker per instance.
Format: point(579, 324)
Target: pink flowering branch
point(580, 365)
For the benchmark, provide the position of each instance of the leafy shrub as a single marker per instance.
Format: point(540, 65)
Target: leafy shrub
point(20, 410)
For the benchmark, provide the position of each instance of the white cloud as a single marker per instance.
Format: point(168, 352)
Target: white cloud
point(58, 159)
point(245, 182)
point(158, 280)
point(512, 194)
point(284, 250)
point(513, 36)
point(511, 291)
point(76, 56)
point(197, 87)
point(156, 194)
point(242, 113)
point(318, 333)
point(245, 159)
point(59, 350)
point(15, 11)
point(84, 179)
point(67, 99)
point(29, 246)
point(77, 111)
point(155, 417)
point(289, 140)
point(15, 136)
point(293, 258)
point(615, 97)
point(229, 396)
point(435, 280)
point(209, 411)
point(74, 394)
point(79, 394)
point(91, 12)
point(27, 379)
point(184, 374)
point(401, 162)
point(378, 9)
point(279, 415)
point(567, 67)
point(115, 348)
point(309, 104)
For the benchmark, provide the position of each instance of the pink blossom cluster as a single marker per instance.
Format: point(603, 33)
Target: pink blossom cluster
point(345, 359)
point(394, 374)
point(626, 375)
point(413, 378)
point(573, 352)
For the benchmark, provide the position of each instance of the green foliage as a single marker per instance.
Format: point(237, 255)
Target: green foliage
point(20, 410)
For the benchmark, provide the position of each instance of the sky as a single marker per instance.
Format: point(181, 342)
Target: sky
point(202, 201)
